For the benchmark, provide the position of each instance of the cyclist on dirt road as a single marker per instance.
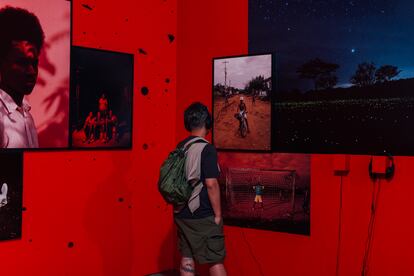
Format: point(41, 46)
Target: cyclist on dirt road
point(242, 110)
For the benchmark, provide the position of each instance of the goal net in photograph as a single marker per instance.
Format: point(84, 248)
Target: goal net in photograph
point(278, 192)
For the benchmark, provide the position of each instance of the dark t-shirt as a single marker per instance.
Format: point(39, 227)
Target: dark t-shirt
point(259, 189)
point(242, 107)
point(209, 169)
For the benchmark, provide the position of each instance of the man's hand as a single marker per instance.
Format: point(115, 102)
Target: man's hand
point(218, 220)
point(3, 195)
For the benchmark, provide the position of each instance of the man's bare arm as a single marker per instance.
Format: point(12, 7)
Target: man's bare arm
point(213, 190)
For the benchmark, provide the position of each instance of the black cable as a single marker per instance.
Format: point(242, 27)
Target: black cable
point(368, 244)
point(338, 249)
point(252, 254)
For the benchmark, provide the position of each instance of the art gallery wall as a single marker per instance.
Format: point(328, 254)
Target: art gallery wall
point(219, 28)
point(99, 212)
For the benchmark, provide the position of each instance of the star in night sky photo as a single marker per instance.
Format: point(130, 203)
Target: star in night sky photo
point(347, 66)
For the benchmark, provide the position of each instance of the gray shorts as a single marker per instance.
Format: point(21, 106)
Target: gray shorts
point(201, 239)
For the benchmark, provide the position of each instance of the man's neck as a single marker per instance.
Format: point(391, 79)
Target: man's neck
point(198, 133)
point(17, 98)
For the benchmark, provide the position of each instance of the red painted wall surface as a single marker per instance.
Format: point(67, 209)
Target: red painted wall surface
point(208, 29)
point(106, 203)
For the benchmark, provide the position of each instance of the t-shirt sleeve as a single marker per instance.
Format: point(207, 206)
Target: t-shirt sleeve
point(209, 162)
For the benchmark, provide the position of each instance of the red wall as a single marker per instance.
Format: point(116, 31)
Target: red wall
point(106, 202)
point(208, 29)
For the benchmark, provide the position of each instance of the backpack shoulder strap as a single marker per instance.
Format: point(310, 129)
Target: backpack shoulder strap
point(187, 145)
point(193, 162)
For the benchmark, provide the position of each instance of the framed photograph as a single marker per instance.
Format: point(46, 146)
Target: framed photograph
point(101, 99)
point(34, 69)
point(242, 96)
point(11, 195)
point(266, 191)
point(345, 74)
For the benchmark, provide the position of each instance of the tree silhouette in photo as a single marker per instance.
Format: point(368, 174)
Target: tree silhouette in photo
point(321, 72)
point(364, 75)
point(386, 73)
point(257, 85)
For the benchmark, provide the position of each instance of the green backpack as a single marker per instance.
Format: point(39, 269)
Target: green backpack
point(172, 183)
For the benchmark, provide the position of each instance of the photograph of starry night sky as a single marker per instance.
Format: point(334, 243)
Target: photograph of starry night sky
point(344, 79)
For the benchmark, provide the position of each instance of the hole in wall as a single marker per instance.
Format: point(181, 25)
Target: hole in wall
point(86, 6)
point(144, 90)
point(171, 38)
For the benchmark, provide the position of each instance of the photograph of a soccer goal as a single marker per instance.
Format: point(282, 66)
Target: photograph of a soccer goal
point(242, 92)
point(266, 191)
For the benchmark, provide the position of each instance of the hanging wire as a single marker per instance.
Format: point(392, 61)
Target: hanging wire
point(368, 244)
point(338, 249)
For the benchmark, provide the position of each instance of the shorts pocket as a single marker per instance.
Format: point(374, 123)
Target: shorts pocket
point(213, 221)
point(215, 248)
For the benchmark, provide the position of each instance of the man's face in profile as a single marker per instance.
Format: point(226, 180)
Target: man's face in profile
point(20, 68)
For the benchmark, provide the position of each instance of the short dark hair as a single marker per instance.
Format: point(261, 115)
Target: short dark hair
point(19, 25)
point(197, 116)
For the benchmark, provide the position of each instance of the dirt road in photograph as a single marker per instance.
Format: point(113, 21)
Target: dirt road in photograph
point(226, 126)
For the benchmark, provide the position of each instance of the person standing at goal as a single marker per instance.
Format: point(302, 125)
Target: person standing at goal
point(258, 189)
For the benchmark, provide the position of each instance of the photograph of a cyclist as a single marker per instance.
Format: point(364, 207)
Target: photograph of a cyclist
point(242, 88)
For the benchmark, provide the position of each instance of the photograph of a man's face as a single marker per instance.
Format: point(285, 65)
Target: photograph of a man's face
point(11, 182)
point(34, 73)
point(101, 98)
